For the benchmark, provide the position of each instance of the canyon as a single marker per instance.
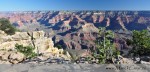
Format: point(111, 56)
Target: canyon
point(78, 29)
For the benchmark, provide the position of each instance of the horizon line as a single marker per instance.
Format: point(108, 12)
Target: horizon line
point(69, 10)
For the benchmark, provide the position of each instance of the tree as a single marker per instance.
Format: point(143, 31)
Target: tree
point(105, 49)
point(140, 43)
point(7, 27)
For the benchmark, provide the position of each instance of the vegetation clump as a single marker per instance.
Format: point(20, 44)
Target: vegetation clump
point(7, 27)
point(105, 49)
point(26, 50)
point(140, 43)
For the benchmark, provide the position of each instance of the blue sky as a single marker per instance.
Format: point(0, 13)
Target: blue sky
point(29, 5)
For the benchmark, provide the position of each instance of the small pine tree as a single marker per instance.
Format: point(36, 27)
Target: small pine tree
point(105, 49)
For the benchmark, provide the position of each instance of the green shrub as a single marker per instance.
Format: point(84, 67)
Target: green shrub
point(7, 27)
point(26, 50)
point(140, 43)
point(105, 49)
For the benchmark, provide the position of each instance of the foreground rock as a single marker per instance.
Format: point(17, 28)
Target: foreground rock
point(122, 60)
point(43, 46)
point(11, 57)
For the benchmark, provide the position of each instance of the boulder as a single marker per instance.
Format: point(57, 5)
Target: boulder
point(16, 57)
point(7, 57)
point(123, 60)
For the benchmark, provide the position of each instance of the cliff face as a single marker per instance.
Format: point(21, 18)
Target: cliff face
point(78, 29)
point(42, 44)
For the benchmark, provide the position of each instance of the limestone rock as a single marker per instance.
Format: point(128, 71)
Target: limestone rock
point(21, 36)
point(43, 45)
point(11, 45)
point(2, 33)
point(38, 34)
point(16, 57)
point(66, 56)
point(4, 55)
point(123, 60)
point(7, 57)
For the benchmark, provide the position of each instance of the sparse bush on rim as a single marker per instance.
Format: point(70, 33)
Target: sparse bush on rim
point(7, 27)
point(26, 50)
point(140, 43)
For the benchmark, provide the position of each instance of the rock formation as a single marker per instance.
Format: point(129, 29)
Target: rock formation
point(10, 57)
point(43, 45)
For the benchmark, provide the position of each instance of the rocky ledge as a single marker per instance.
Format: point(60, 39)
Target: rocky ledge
point(43, 46)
